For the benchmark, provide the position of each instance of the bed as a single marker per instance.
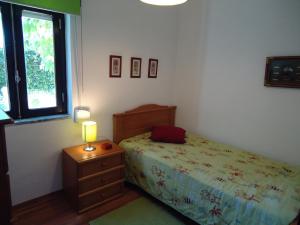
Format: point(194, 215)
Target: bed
point(211, 183)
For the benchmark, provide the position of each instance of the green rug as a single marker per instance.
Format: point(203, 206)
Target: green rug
point(139, 212)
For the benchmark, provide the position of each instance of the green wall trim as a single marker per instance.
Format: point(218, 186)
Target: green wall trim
point(63, 6)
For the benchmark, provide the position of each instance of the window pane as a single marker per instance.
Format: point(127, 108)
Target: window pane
point(39, 60)
point(4, 96)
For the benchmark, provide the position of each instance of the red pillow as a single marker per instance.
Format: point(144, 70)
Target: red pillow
point(168, 134)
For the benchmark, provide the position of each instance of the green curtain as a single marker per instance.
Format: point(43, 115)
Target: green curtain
point(63, 6)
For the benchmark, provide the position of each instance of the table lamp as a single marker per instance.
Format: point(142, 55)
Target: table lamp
point(89, 134)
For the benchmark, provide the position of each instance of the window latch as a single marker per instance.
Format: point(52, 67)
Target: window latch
point(17, 77)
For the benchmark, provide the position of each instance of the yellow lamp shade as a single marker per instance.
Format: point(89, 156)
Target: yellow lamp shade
point(89, 131)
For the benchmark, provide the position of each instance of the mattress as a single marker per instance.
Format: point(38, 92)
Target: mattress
point(213, 183)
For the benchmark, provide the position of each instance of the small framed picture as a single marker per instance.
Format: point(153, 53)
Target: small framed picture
point(153, 67)
point(115, 67)
point(283, 71)
point(136, 67)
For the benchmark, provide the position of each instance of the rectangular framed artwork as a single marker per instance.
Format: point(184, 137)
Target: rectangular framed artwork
point(135, 67)
point(115, 66)
point(283, 71)
point(153, 68)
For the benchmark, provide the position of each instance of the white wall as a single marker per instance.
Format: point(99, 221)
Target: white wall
point(34, 153)
point(221, 61)
point(128, 28)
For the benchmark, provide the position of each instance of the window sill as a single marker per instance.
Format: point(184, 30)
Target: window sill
point(41, 119)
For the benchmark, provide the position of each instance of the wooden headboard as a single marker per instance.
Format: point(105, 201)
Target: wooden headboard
point(141, 120)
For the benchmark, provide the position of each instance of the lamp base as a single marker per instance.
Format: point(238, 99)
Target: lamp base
point(89, 148)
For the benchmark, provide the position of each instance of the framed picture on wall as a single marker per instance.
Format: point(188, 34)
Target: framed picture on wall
point(115, 66)
point(283, 71)
point(136, 67)
point(153, 68)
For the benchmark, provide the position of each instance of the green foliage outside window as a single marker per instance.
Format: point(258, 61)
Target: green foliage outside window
point(38, 37)
point(39, 54)
point(39, 57)
point(34, 73)
point(2, 69)
point(38, 79)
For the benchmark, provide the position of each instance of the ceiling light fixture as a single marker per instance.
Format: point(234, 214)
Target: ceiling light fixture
point(164, 2)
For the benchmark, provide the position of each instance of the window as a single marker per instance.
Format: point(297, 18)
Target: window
point(32, 62)
point(4, 96)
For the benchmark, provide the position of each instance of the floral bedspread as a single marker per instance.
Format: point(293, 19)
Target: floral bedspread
point(214, 184)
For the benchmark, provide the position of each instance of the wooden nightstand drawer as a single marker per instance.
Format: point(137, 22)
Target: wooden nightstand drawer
point(101, 196)
point(99, 165)
point(101, 180)
point(109, 162)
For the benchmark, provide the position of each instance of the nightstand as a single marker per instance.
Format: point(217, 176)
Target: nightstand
point(93, 178)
